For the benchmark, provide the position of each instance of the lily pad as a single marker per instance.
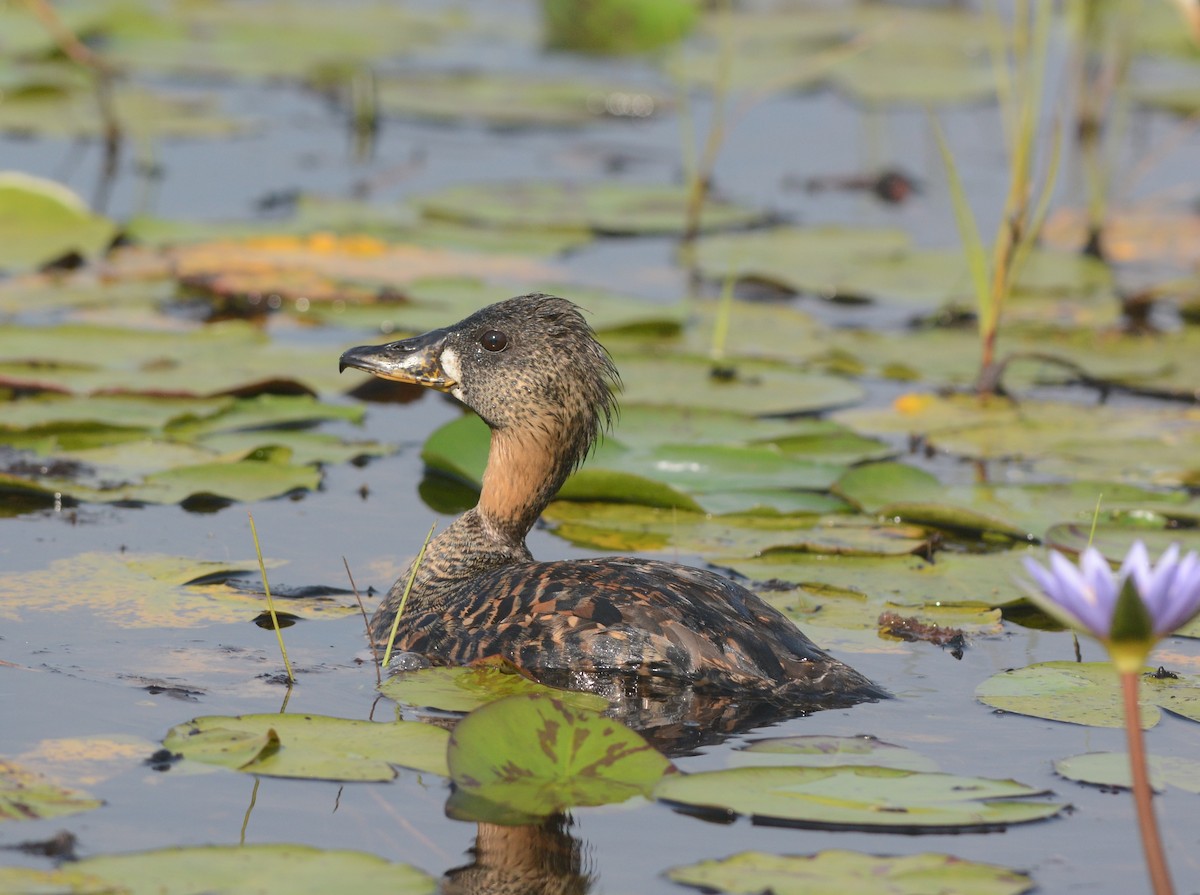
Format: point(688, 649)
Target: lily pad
point(513, 100)
point(836, 870)
point(1087, 693)
point(1115, 533)
point(465, 689)
point(436, 301)
point(858, 798)
point(1112, 769)
point(311, 747)
point(679, 476)
point(952, 579)
point(537, 756)
point(620, 527)
point(758, 389)
point(612, 208)
point(25, 795)
point(144, 591)
point(252, 870)
point(830, 751)
point(41, 220)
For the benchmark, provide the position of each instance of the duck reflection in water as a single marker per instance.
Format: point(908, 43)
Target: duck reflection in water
point(533, 859)
point(657, 638)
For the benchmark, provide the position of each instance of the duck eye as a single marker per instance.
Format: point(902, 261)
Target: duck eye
point(494, 340)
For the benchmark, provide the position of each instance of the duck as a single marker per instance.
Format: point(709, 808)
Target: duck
point(532, 369)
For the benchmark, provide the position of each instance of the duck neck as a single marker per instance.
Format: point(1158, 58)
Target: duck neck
point(525, 469)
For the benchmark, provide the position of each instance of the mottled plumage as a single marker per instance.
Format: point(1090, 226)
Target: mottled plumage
point(533, 371)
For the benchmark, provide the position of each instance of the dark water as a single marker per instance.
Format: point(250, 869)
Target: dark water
point(83, 677)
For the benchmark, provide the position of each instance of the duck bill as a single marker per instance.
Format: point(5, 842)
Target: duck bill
point(417, 360)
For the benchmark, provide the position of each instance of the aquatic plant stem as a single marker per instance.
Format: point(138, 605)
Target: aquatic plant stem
point(262, 567)
point(1156, 860)
point(412, 576)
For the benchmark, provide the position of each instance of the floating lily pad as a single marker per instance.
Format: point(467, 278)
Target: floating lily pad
point(1087, 693)
point(252, 870)
point(618, 527)
point(221, 358)
point(311, 747)
point(858, 798)
point(437, 302)
point(759, 389)
point(681, 476)
point(616, 26)
point(836, 870)
point(465, 689)
point(272, 40)
point(1021, 512)
point(29, 881)
point(535, 755)
point(25, 795)
point(41, 220)
point(614, 208)
point(1115, 533)
point(830, 751)
point(1112, 769)
point(142, 113)
point(513, 100)
point(144, 591)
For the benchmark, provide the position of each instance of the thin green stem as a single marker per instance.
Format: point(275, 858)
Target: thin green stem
point(1156, 861)
point(412, 576)
point(262, 567)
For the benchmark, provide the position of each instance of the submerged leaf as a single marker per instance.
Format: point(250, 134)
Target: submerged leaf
point(25, 795)
point(465, 689)
point(145, 590)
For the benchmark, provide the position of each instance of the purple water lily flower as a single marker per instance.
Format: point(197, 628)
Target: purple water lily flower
point(1086, 596)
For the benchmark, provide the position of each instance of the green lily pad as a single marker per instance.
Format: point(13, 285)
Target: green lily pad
point(1115, 533)
point(311, 747)
point(41, 220)
point(989, 579)
point(613, 208)
point(142, 113)
point(435, 302)
point(272, 40)
point(858, 798)
point(630, 527)
point(1087, 693)
point(25, 795)
point(616, 26)
point(29, 881)
point(1021, 512)
point(680, 476)
point(819, 751)
point(228, 357)
point(252, 870)
point(465, 689)
point(535, 755)
point(145, 590)
point(836, 870)
point(759, 389)
point(58, 415)
point(512, 100)
point(1112, 769)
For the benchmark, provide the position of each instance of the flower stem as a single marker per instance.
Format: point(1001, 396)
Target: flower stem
point(1156, 861)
